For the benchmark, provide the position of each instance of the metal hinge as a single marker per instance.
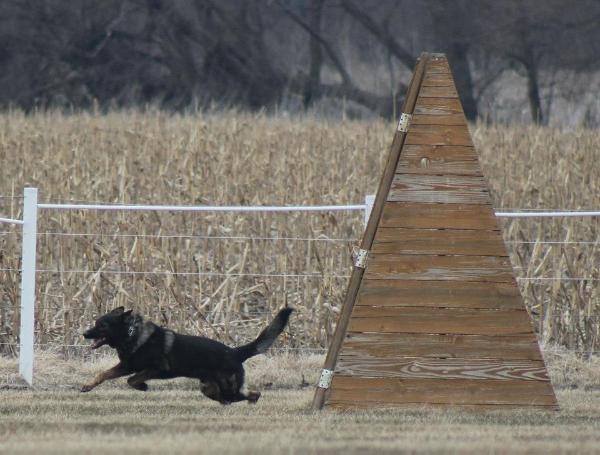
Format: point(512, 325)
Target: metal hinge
point(360, 258)
point(404, 122)
point(325, 379)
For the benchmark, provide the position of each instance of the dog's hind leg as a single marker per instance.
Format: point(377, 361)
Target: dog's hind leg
point(115, 372)
point(138, 380)
point(232, 387)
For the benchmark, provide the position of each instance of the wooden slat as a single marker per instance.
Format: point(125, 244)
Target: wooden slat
point(438, 80)
point(441, 391)
point(445, 91)
point(449, 189)
point(349, 406)
point(437, 66)
point(445, 119)
point(439, 159)
point(513, 347)
point(438, 135)
point(461, 268)
point(463, 321)
point(438, 106)
point(381, 366)
point(448, 294)
point(438, 241)
point(438, 216)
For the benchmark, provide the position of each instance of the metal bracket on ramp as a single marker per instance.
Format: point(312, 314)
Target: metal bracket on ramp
point(325, 379)
point(404, 122)
point(360, 258)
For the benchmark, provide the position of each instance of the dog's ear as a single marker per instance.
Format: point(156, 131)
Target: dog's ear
point(118, 310)
point(127, 313)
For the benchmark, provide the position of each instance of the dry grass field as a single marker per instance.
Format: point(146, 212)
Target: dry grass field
point(223, 275)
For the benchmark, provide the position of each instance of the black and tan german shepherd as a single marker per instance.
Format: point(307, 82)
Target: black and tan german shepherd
point(148, 351)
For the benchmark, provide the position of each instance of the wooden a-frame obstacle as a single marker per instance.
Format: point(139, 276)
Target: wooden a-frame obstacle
point(432, 314)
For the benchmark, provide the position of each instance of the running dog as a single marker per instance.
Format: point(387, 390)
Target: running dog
point(147, 351)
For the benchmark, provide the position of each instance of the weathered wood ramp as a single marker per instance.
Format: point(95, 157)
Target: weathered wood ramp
point(435, 318)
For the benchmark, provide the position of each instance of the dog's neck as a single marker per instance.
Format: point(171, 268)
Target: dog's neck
point(135, 321)
point(138, 332)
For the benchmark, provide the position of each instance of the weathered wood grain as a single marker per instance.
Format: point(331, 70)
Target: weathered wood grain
point(339, 405)
point(439, 216)
point(443, 189)
point(431, 91)
point(438, 80)
point(439, 159)
point(431, 268)
point(438, 106)
point(512, 347)
point(381, 366)
point(445, 119)
point(438, 241)
point(448, 294)
point(463, 321)
point(437, 66)
point(347, 389)
point(438, 135)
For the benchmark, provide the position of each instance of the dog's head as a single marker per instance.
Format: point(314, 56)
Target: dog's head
point(111, 328)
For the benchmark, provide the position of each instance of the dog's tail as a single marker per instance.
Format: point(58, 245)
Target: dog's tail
point(266, 338)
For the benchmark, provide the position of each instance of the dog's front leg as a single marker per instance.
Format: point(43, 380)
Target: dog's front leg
point(138, 380)
point(112, 373)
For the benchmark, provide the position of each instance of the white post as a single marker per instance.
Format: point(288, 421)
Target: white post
point(369, 201)
point(28, 263)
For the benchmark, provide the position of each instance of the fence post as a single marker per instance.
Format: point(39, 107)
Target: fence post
point(28, 264)
point(369, 201)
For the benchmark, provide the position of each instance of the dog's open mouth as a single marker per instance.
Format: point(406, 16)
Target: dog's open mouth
point(99, 342)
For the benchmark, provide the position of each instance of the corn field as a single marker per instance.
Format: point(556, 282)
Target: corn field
point(223, 275)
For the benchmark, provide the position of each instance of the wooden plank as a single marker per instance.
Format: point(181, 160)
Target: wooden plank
point(438, 241)
point(348, 406)
point(438, 106)
point(441, 391)
point(439, 159)
point(448, 294)
point(426, 267)
point(446, 189)
point(438, 135)
point(437, 66)
point(444, 91)
point(438, 216)
point(513, 347)
point(462, 321)
point(438, 80)
point(380, 366)
point(445, 119)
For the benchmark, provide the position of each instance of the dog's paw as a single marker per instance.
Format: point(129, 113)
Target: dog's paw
point(87, 388)
point(253, 397)
point(143, 387)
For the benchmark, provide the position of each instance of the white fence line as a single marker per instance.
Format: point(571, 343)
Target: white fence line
point(551, 214)
point(29, 229)
point(207, 208)
point(10, 221)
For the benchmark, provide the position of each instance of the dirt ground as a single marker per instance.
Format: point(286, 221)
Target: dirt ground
point(175, 418)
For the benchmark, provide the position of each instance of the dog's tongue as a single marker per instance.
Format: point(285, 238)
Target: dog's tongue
point(97, 343)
